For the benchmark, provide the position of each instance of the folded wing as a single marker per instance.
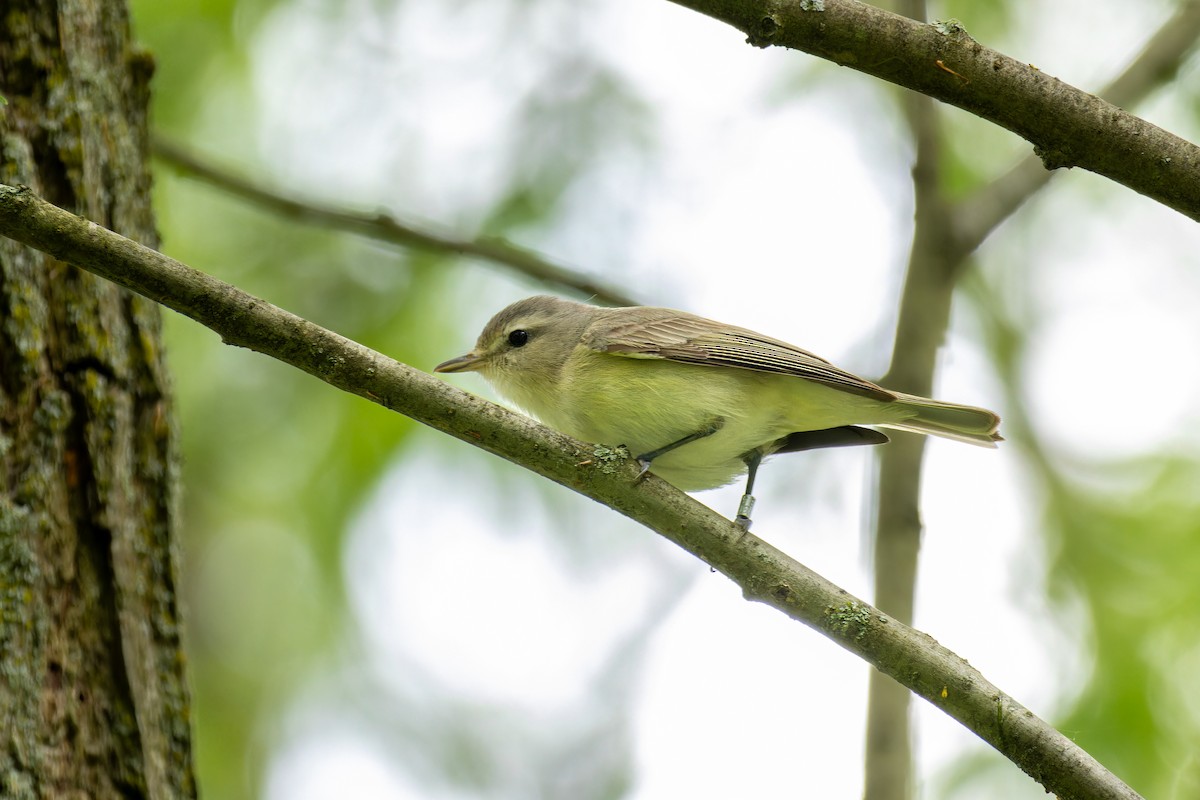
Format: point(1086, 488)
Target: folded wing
point(689, 339)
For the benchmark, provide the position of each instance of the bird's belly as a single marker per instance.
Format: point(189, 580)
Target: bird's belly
point(648, 405)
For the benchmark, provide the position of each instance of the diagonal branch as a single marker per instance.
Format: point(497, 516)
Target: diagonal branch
point(385, 228)
point(1067, 126)
point(1156, 65)
point(765, 574)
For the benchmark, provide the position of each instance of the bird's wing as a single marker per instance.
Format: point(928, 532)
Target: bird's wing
point(677, 336)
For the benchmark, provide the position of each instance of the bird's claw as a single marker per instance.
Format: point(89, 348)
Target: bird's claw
point(645, 468)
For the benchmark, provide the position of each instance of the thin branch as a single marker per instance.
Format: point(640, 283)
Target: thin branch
point(764, 573)
point(1156, 65)
point(386, 228)
point(1159, 61)
point(1067, 127)
point(924, 314)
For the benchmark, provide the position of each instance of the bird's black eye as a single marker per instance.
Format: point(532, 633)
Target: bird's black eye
point(518, 338)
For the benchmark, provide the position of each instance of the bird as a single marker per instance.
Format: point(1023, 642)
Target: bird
point(699, 402)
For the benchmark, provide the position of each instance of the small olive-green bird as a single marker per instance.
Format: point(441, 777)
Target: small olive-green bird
point(698, 401)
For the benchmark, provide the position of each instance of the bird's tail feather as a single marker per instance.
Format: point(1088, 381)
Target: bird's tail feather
point(968, 424)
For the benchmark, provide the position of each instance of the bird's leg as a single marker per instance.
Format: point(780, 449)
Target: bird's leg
point(752, 459)
point(845, 436)
point(646, 458)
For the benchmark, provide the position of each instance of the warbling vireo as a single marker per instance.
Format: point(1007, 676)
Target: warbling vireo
point(698, 401)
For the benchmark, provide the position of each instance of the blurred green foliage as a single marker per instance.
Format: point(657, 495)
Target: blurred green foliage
point(1123, 538)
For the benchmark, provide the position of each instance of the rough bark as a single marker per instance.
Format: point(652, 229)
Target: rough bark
point(92, 697)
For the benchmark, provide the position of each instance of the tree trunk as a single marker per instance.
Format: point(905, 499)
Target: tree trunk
point(93, 701)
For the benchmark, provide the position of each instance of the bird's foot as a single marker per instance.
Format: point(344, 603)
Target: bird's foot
point(645, 465)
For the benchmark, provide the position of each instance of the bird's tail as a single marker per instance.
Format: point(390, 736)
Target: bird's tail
point(962, 423)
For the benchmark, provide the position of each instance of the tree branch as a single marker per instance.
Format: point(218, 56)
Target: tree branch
point(981, 213)
point(385, 228)
point(1067, 127)
point(765, 574)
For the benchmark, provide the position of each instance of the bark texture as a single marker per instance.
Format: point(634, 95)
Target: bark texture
point(92, 696)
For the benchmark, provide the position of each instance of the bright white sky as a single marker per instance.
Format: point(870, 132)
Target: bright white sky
point(734, 700)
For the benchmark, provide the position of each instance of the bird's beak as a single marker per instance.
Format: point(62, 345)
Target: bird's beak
point(467, 363)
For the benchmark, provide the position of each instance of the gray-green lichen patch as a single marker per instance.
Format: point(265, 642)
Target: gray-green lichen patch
point(25, 321)
point(812, 5)
point(18, 563)
point(21, 624)
point(849, 619)
point(53, 414)
point(951, 28)
point(609, 459)
point(18, 785)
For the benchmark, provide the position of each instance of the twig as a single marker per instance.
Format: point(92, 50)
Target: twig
point(1159, 61)
point(764, 573)
point(1067, 127)
point(389, 229)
